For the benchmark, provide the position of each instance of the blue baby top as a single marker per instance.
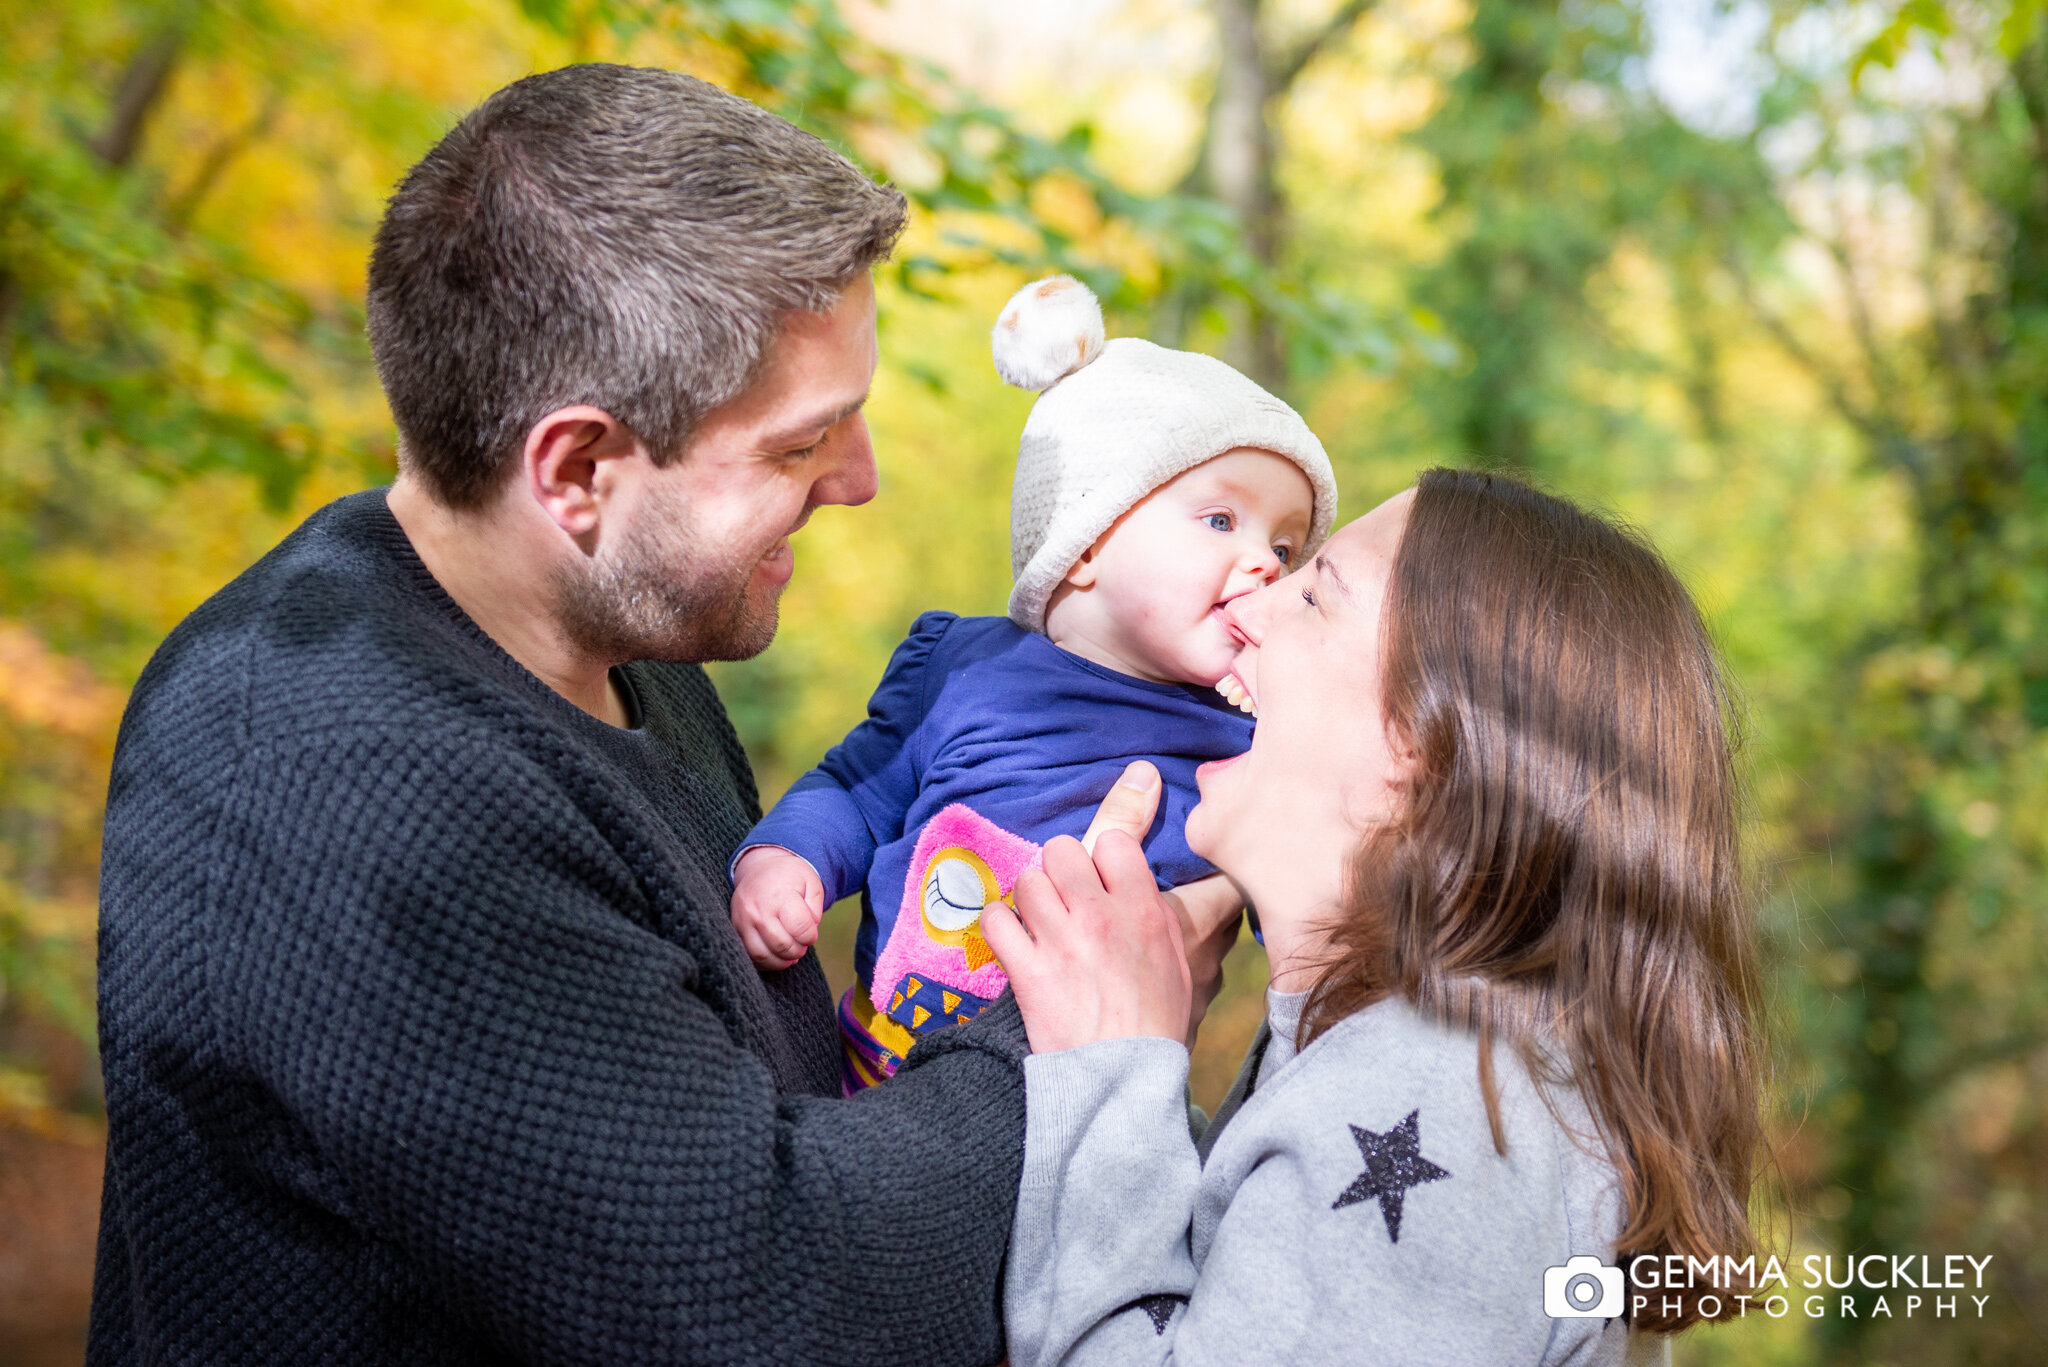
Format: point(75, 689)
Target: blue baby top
point(978, 713)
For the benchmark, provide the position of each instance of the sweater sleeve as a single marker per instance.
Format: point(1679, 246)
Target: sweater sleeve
point(479, 1053)
point(1357, 1225)
point(1099, 1265)
point(839, 813)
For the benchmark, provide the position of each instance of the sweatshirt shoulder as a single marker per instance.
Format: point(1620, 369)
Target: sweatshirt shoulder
point(335, 626)
point(1372, 1069)
point(1392, 1047)
point(1389, 1081)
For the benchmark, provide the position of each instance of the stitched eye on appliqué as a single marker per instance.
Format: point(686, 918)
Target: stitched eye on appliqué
point(954, 894)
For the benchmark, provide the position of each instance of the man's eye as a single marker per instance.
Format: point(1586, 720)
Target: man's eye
point(1219, 521)
point(1283, 553)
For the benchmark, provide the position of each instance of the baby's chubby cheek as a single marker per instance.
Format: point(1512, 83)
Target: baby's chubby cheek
point(1217, 645)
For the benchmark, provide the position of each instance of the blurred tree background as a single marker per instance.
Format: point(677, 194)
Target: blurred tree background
point(1769, 279)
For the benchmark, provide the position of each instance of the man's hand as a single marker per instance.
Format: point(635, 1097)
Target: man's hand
point(1097, 953)
point(777, 902)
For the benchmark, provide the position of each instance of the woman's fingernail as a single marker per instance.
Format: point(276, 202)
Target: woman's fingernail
point(1140, 774)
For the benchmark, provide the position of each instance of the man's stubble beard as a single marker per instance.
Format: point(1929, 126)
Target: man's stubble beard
point(665, 594)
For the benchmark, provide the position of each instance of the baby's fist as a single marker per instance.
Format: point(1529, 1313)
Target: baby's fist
point(777, 902)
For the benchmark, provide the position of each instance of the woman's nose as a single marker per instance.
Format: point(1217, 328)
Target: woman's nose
point(1249, 613)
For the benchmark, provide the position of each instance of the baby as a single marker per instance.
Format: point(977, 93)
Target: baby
point(1153, 486)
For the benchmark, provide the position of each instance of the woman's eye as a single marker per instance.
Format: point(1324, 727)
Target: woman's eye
point(1218, 521)
point(1283, 553)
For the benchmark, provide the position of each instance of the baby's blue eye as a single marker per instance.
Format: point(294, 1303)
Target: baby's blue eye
point(1283, 553)
point(1219, 521)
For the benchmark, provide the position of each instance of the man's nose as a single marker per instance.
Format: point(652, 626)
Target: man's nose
point(852, 479)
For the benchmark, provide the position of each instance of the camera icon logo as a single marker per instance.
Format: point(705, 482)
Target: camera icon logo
point(1583, 1289)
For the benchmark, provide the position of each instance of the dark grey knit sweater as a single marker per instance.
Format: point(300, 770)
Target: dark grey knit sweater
point(427, 1038)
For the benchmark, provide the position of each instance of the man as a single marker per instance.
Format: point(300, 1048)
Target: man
point(425, 1033)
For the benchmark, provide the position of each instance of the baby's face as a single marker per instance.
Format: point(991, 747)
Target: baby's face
point(1162, 574)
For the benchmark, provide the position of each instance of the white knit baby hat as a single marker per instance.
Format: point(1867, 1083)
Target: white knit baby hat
point(1114, 421)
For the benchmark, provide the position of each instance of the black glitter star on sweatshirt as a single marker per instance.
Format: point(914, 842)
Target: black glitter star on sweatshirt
point(1393, 1163)
point(1159, 1309)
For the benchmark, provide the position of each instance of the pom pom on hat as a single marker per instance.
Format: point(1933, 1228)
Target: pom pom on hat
point(1115, 420)
point(1047, 331)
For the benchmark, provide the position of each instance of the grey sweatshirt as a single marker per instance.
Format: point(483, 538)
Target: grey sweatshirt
point(1351, 1207)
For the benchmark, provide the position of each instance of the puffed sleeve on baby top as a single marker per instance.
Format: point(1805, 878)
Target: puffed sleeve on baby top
point(854, 801)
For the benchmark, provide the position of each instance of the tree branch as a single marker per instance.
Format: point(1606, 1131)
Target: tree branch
point(218, 157)
point(1964, 348)
point(142, 85)
point(10, 284)
point(1830, 380)
point(1883, 382)
point(1280, 74)
point(1701, 375)
point(1891, 442)
point(1195, 182)
point(2030, 78)
point(1285, 71)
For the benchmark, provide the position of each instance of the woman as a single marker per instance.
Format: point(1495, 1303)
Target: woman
point(1488, 822)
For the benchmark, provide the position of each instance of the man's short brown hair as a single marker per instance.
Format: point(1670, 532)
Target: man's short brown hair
point(603, 235)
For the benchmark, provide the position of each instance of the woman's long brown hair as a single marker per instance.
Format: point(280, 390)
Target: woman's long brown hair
point(1563, 873)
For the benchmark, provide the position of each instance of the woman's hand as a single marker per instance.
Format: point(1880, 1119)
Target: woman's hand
point(1211, 914)
point(1209, 908)
point(1097, 953)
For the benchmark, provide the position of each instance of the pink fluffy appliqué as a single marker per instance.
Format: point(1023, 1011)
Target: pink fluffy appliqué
point(911, 948)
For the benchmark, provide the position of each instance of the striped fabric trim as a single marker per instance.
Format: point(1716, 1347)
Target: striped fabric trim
point(865, 1060)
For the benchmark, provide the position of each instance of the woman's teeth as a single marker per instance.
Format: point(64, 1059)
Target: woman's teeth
point(1234, 694)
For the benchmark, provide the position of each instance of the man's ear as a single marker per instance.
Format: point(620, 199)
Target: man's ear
point(564, 466)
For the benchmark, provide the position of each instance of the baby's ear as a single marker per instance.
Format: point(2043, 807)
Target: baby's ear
point(1081, 574)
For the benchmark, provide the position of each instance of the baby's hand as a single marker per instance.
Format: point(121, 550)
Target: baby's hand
point(777, 902)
